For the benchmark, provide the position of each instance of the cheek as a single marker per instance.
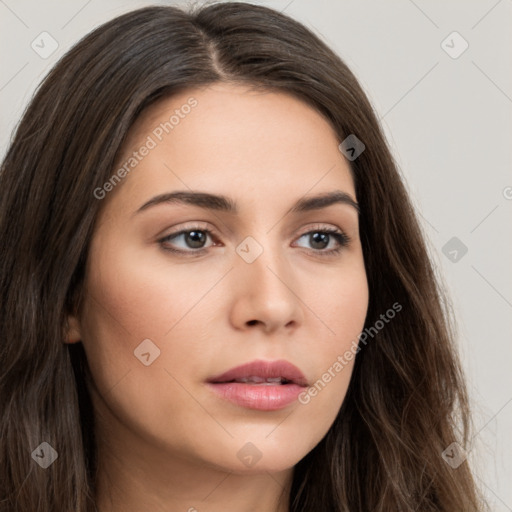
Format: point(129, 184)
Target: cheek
point(127, 302)
point(141, 329)
point(342, 306)
point(135, 294)
point(130, 307)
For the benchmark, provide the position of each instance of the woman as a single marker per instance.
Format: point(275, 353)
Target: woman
point(216, 294)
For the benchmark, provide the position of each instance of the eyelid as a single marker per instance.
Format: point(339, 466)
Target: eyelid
point(191, 226)
point(322, 227)
point(205, 226)
point(342, 238)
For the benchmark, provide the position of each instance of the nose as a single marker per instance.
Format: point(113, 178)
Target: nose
point(267, 294)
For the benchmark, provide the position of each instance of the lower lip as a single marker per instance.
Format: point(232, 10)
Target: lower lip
point(263, 397)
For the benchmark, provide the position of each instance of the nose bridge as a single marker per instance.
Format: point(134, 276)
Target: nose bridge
point(266, 276)
point(262, 260)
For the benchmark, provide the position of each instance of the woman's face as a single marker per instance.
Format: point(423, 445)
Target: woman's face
point(165, 313)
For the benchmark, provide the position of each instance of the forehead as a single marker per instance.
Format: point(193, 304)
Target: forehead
point(232, 140)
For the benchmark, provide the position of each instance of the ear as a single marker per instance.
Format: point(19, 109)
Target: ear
point(73, 334)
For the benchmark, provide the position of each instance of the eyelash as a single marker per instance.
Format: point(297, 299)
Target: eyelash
point(342, 239)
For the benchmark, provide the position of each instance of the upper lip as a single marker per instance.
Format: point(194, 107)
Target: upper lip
point(264, 369)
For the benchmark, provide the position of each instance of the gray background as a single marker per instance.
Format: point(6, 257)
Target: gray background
point(449, 123)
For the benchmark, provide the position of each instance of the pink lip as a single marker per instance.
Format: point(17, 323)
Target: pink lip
point(264, 397)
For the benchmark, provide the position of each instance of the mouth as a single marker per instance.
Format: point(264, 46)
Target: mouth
point(254, 379)
point(259, 372)
point(260, 385)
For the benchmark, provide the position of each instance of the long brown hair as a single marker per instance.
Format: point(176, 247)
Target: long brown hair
point(406, 402)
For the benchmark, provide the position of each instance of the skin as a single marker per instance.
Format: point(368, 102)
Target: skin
point(166, 442)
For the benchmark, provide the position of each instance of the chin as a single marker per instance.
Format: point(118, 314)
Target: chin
point(262, 455)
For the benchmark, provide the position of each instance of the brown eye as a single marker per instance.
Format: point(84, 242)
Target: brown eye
point(320, 239)
point(192, 240)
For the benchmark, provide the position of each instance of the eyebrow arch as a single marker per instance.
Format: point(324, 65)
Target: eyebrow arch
point(226, 204)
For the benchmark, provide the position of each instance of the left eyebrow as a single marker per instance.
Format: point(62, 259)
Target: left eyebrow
point(226, 204)
point(323, 201)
